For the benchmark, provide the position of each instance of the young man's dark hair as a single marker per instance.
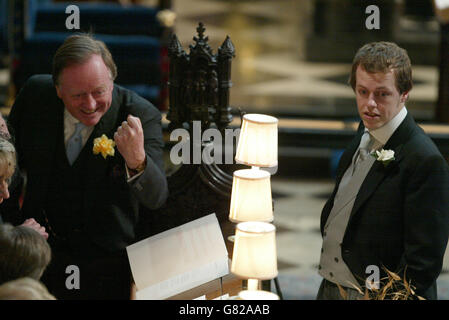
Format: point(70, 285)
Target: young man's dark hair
point(383, 57)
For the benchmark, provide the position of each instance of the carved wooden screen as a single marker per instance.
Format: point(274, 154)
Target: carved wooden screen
point(199, 85)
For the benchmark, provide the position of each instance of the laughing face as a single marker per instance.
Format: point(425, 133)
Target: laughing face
point(86, 90)
point(378, 99)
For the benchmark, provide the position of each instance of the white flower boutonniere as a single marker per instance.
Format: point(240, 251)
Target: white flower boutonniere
point(384, 156)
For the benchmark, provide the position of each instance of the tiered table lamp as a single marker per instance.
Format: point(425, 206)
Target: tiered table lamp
point(254, 254)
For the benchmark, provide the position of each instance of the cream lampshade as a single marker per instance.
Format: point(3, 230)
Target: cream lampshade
point(251, 196)
point(258, 141)
point(254, 255)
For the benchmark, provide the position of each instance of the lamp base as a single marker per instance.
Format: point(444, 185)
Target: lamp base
point(257, 295)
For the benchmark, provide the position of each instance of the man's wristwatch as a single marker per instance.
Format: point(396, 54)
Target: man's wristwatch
point(139, 168)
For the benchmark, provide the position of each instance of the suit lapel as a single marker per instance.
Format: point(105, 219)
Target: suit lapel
point(347, 156)
point(97, 165)
point(378, 171)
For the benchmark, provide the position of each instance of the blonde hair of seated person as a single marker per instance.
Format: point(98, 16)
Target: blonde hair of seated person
point(24, 289)
point(7, 158)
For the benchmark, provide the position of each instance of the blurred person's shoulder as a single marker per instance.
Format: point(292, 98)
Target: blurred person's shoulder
point(38, 88)
point(134, 103)
point(39, 94)
point(39, 81)
point(25, 289)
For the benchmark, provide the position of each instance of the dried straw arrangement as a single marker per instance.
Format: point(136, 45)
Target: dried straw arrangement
point(392, 287)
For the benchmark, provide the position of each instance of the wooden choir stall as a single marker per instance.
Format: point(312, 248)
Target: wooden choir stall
point(199, 88)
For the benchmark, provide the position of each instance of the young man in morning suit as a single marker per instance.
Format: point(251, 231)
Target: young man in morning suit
point(88, 203)
point(392, 213)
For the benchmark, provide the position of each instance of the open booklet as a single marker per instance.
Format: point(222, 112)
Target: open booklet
point(178, 259)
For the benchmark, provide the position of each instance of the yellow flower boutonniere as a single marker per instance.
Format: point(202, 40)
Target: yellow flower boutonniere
point(104, 146)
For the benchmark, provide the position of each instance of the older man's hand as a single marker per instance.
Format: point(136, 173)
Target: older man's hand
point(4, 132)
point(129, 141)
point(31, 223)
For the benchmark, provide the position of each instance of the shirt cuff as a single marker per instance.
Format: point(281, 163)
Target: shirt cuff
point(134, 177)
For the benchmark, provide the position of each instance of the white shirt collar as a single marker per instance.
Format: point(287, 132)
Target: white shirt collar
point(69, 119)
point(69, 127)
point(384, 133)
